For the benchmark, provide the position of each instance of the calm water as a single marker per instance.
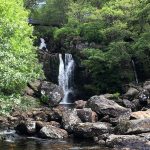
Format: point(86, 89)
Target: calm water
point(40, 144)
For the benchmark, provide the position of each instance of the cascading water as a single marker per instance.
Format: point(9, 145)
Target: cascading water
point(134, 70)
point(65, 78)
point(42, 44)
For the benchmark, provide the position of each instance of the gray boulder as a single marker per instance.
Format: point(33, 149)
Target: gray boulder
point(104, 106)
point(91, 130)
point(131, 93)
point(127, 141)
point(69, 119)
point(87, 115)
point(137, 126)
point(52, 132)
point(51, 93)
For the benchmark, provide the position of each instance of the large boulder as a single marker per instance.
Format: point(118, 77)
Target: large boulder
point(91, 130)
point(127, 142)
point(51, 93)
point(134, 126)
point(52, 132)
point(140, 114)
point(104, 106)
point(69, 119)
point(87, 115)
point(131, 93)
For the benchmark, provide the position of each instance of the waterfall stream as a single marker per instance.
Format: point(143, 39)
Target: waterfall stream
point(42, 44)
point(65, 78)
point(135, 73)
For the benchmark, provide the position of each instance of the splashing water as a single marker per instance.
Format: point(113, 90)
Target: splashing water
point(65, 78)
point(43, 44)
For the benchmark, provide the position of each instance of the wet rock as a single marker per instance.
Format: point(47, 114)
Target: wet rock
point(51, 93)
point(87, 115)
point(53, 132)
point(131, 93)
point(127, 141)
point(90, 130)
point(140, 114)
point(69, 119)
point(80, 104)
point(104, 106)
point(26, 127)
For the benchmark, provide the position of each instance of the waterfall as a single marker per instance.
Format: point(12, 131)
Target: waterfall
point(134, 70)
point(65, 78)
point(43, 44)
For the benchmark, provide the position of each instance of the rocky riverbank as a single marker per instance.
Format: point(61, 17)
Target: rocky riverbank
point(108, 120)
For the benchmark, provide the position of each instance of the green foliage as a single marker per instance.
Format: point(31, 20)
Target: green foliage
point(65, 32)
point(18, 62)
point(9, 103)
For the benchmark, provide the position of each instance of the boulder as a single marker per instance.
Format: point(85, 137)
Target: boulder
point(131, 93)
point(41, 124)
point(29, 91)
point(144, 97)
point(87, 115)
point(146, 86)
point(51, 93)
point(34, 85)
point(104, 106)
point(26, 127)
point(127, 141)
point(52, 132)
point(80, 104)
point(129, 104)
point(140, 114)
point(137, 126)
point(91, 130)
point(69, 119)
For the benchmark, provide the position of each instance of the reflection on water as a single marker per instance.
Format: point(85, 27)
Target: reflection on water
point(40, 144)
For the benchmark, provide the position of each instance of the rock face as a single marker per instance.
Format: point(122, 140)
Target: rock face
point(53, 132)
point(52, 93)
point(87, 115)
point(69, 119)
point(103, 106)
point(90, 130)
point(50, 63)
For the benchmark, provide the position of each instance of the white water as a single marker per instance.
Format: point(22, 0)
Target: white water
point(135, 73)
point(65, 78)
point(42, 44)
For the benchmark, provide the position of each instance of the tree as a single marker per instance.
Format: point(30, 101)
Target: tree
point(18, 59)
